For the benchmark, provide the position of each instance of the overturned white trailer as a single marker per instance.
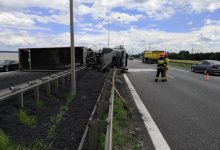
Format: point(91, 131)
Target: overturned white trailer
point(116, 57)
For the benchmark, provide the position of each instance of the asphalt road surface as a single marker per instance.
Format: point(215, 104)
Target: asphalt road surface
point(186, 109)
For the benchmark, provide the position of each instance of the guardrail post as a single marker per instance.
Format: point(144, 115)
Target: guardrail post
point(36, 93)
point(21, 99)
point(93, 134)
point(48, 88)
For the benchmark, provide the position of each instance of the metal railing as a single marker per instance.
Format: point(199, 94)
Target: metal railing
point(108, 137)
point(99, 125)
point(19, 90)
point(181, 64)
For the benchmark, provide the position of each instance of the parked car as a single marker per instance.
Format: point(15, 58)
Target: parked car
point(7, 65)
point(207, 67)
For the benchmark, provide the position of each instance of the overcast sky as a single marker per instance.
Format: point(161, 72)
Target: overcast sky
point(171, 25)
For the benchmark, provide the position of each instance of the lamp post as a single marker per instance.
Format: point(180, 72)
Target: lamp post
point(108, 20)
point(73, 76)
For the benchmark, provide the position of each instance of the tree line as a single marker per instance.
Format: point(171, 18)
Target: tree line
point(186, 55)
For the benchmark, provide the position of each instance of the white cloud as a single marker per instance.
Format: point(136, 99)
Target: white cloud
point(204, 5)
point(204, 39)
point(19, 14)
point(126, 18)
point(50, 4)
point(153, 8)
point(11, 40)
point(190, 23)
point(11, 19)
point(209, 21)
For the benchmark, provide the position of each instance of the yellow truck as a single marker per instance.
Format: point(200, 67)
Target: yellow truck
point(152, 56)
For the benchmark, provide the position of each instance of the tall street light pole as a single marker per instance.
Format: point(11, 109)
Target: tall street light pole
point(108, 20)
point(73, 76)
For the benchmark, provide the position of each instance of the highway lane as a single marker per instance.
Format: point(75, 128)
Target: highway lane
point(186, 109)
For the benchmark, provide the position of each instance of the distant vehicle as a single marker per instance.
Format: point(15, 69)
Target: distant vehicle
point(152, 56)
point(131, 58)
point(207, 67)
point(7, 65)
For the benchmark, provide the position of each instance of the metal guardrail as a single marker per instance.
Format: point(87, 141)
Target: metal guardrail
point(184, 64)
point(108, 137)
point(19, 90)
point(98, 125)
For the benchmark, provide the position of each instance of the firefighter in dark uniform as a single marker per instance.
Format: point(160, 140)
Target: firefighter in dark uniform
point(161, 69)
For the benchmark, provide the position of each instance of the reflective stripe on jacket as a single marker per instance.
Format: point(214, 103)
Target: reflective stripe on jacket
point(161, 63)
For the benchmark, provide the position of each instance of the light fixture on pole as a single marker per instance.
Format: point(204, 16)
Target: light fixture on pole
point(108, 20)
point(73, 77)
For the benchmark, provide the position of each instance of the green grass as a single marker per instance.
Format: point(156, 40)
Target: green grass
point(38, 145)
point(120, 112)
point(55, 119)
point(26, 119)
point(4, 141)
point(40, 104)
point(120, 135)
point(123, 127)
point(69, 99)
point(102, 141)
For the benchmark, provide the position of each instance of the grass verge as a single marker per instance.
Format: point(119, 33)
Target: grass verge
point(4, 141)
point(69, 99)
point(102, 141)
point(123, 128)
point(54, 120)
point(40, 104)
point(6, 144)
point(57, 118)
point(26, 119)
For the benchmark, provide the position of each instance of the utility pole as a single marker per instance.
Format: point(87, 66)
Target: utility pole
point(192, 50)
point(149, 46)
point(73, 73)
point(108, 34)
point(108, 20)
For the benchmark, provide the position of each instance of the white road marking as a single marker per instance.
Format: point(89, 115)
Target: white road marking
point(157, 138)
point(141, 70)
point(180, 69)
point(170, 76)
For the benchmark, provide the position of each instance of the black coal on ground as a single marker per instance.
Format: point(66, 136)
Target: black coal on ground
point(60, 125)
